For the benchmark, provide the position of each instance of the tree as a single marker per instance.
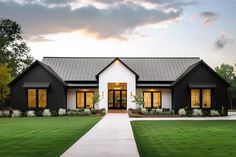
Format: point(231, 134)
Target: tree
point(5, 78)
point(13, 49)
point(138, 100)
point(227, 72)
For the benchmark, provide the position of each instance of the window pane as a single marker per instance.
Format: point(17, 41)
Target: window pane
point(147, 99)
point(42, 98)
point(206, 98)
point(31, 98)
point(80, 100)
point(157, 99)
point(195, 98)
point(89, 99)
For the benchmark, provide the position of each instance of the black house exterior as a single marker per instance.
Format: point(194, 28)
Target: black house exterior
point(72, 82)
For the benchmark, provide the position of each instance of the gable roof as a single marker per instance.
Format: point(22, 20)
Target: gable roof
point(147, 68)
point(44, 66)
point(192, 67)
point(117, 59)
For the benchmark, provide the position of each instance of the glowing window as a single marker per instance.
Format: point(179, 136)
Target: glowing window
point(32, 98)
point(80, 100)
point(89, 99)
point(147, 96)
point(206, 98)
point(195, 98)
point(42, 98)
point(156, 99)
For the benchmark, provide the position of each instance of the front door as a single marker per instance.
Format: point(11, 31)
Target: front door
point(117, 99)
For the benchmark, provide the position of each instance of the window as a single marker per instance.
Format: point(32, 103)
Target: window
point(37, 98)
point(84, 99)
point(201, 98)
point(206, 98)
point(147, 99)
point(42, 98)
point(195, 98)
point(156, 99)
point(32, 98)
point(80, 99)
point(89, 99)
point(152, 99)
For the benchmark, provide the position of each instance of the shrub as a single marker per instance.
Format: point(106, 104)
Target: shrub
point(165, 109)
point(197, 112)
point(158, 111)
point(182, 112)
point(39, 113)
point(205, 112)
point(72, 113)
point(62, 112)
point(144, 111)
point(214, 113)
point(172, 112)
point(54, 113)
point(87, 111)
point(30, 114)
point(46, 113)
point(16, 113)
point(4, 113)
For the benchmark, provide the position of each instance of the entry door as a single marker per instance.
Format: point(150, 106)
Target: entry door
point(117, 99)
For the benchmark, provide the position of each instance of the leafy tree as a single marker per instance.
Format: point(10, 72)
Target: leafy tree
point(96, 98)
point(227, 72)
point(138, 99)
point(5, 78)
point(13, 49)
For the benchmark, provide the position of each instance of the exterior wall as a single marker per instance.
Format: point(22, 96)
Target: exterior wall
point(166, 95)
point(116, 72)
point(71, 96)
point(56, 97)
point(201, 74)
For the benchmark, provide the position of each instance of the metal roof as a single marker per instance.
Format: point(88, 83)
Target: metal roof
point(148, 69)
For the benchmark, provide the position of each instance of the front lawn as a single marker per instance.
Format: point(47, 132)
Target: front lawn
point(41, 136)
point(185, 138)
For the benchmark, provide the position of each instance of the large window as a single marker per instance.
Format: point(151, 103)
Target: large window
point(84, 99)
point(32, 98)
point(206, 98)
point(200, 98)
point(37, 98)
point(152, 99)
point(195, 98)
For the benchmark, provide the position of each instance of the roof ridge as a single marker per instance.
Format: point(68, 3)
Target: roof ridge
point(148, 57)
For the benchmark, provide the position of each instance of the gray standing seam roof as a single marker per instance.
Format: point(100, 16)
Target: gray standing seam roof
point(148, 69)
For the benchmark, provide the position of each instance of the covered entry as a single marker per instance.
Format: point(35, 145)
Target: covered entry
point(117, 95)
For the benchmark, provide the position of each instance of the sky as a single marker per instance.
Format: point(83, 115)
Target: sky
point(127, 28)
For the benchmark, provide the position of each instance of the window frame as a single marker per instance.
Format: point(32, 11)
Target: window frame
point(37, 98)
point(85, 101)
point(201, 98)
point(152, 98)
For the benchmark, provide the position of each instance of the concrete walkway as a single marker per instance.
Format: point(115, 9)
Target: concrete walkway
point(112, 136)
point(231, 116)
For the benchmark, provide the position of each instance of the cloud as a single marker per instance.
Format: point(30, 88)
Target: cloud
point(208, 17)
point(222, 41)
point(110, 22)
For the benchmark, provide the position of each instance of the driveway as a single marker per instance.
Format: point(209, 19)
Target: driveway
point(112, 136)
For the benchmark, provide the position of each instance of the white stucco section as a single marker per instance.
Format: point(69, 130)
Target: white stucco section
point(166, 96)
point(119, 73)
point(71, 97)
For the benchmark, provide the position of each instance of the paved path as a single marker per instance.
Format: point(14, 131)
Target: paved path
point(231, 116)
point(111, 137)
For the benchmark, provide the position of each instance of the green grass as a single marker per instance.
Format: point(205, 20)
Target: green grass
point(41, 136)
point(185, 138)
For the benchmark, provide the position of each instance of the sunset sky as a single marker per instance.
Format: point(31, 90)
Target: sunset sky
point(176, 28)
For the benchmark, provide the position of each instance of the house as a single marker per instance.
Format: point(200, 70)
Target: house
point(72, 82)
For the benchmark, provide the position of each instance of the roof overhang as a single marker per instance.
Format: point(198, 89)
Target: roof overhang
point(202, 85)
point(36, 85)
